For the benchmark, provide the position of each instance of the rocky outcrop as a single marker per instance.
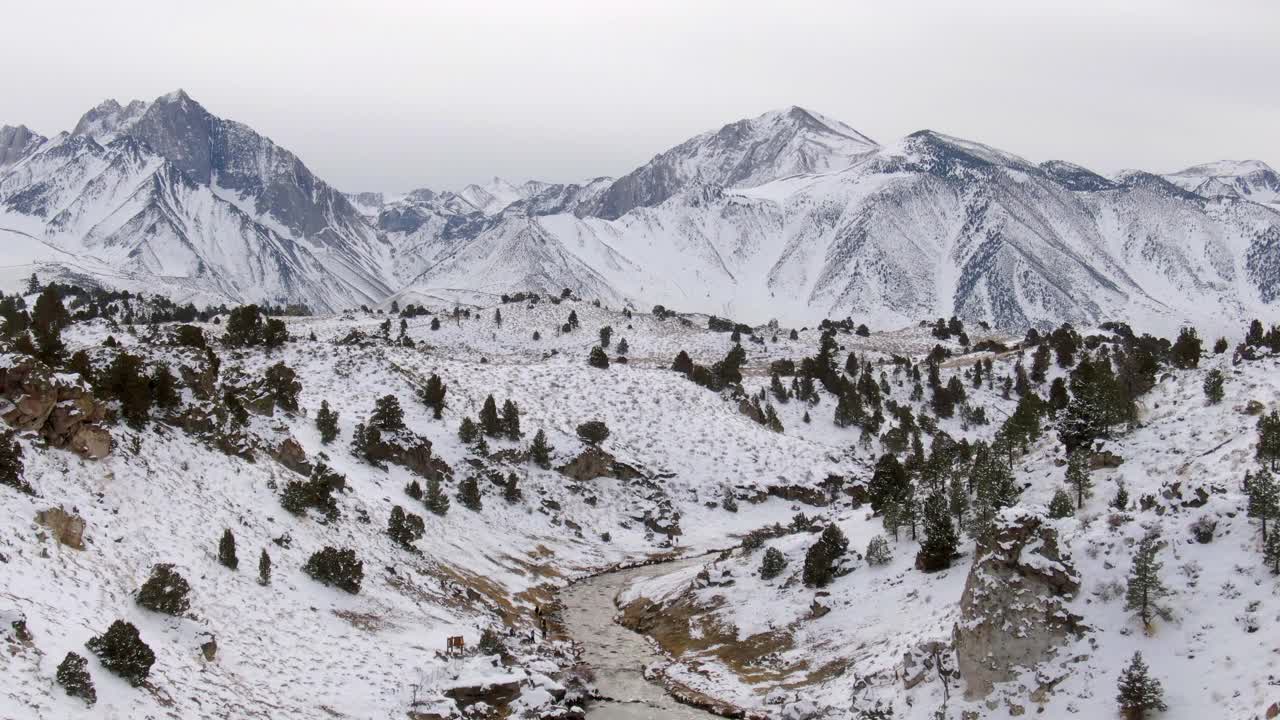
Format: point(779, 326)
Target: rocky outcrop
point(67, 528)
point(594, 462)
point(59, 407)
point(291, 455)
point(1013, 613)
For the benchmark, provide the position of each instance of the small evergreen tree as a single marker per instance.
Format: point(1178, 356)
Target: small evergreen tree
point(819, 561)
point(48, 319)
point(1121, 500)
point(598, 358)
point(339, 568)
point(387, 415)
point(511, 490)
point(941, 540)
point(227, 550)
point(11, 466)
point(490, 423)
point(1264, 498)
point(75, 679)
point(1145, 587)
point(326, 423)
point(467, 431)
point(878, 551)
point(490, 643)
point(121, 650)
point(405, 528)
point(606, 336)
point(540, 451)
point(773, 564)
point(435, 498)
point(497, 317)
point(283, 386)
point(264, 568)
point(469, 493)
point(623, 348)
point(1271, 552)
point(1139, 692)
point(1060, 506)
point(435, 323)
point(1078, 475)
point(511, 419)
point(958, 501)
point(593, 432)
point(1186, 350)
point(165, 591)
point(1213, 386)
point(433, 394)
point(164, 387)
point(1269, 438)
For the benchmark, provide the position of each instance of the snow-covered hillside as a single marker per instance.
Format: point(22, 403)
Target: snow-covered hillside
point(683, 469)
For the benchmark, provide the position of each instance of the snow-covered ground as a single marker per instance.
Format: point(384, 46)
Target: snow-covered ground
point(295, 648)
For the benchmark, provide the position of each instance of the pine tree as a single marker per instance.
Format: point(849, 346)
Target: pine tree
point(1269, 438)
point(941, 540)
point(338, 567)
point(164, 387)
point(48, 319)
point(1139, 692)
point(433, 395)
point(1145, 587)
point(227, 550)
point(598, 358)
point(958, 501)
point(469, 494)
point(165, 591)
point(264, 568)
point(606, 336)
point(497, 317)
point(1078, 475)
point(511, 490)
point(1271, 552)
point(75, 679)
point(326, 423)
point(435, 323)
point(593, 432)
point(623, 348)
point(511, 419)
point(467, 431)
point(387, 414)
point(1186, 350)
point(283, 386)
point(11, 466)
point(779, 392)
point(878, 551)
point(573, 319)
point(1121, 500)
point(772, 420)
point(121, 650)
point(435, 498)
point(1060, 506)
point(405, 528)
point(1264, 498)
point(773, 563)
point(888, 482)
point(540, 451)
point(1213, 386)
point(683, 364)
point(490, 423)
point(819, 561)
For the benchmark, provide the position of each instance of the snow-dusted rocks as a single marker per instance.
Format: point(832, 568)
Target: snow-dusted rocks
point(59, 407)
point(1013, 613)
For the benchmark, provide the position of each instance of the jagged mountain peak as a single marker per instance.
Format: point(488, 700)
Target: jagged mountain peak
point(16, 142)
point(1075, 177)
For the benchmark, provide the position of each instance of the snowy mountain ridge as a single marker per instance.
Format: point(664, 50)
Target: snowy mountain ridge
point(788, 215)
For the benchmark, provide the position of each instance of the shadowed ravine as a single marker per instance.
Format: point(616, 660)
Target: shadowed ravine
point(617, 655)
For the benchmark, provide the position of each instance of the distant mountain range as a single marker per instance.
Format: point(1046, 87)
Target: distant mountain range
point(789, 215)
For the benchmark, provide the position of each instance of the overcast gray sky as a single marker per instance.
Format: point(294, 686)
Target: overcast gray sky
point(393, 95)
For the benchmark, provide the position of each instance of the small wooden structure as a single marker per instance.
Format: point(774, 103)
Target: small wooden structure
point(455, 643)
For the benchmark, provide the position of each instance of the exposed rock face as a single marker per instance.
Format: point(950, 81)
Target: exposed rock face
point(66, 527)
point(594, 463)
point(1012, 613)
point(291, 455)
point(60, 408)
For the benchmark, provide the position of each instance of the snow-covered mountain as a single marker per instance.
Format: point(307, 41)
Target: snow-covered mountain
point(1248, 179)
point(788, 215)
point(167, 188)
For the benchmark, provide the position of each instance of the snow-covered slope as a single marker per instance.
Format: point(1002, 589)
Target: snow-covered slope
point(1247, 179)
